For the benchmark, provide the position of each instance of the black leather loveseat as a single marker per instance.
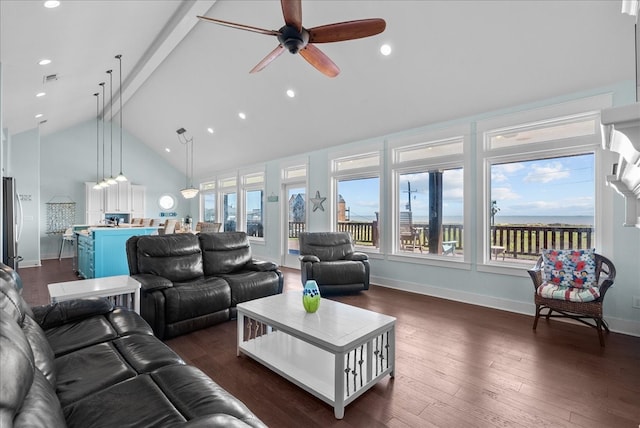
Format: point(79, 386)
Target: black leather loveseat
point(190, 281)
point(84, 363)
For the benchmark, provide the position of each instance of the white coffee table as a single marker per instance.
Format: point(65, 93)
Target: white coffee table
point(121, 289)
point(336, 354)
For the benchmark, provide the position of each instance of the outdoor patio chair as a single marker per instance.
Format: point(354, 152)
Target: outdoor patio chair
point(409, 236)
point(573, 284)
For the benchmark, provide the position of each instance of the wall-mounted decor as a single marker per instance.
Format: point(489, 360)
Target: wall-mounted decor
point(61, 214)
point(318, 201)
point(272, 198)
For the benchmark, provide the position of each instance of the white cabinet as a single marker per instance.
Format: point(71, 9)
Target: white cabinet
point(94, 209)
point(137, 201)
point(118, 198)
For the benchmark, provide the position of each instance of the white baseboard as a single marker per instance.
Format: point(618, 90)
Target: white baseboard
point(618, 325)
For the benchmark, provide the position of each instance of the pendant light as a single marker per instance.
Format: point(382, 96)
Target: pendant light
point(111, 181)
point(121, 176)
point(103, 183)
point(189, 191)
point(97, 185)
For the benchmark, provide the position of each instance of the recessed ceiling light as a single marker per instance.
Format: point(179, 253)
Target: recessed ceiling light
point(167, 149)
point(385, 49)
point(241, 115)
point(44, 61)
point(41, 94)
point(210, 130)
point(39, 115)
point(291, 93)
point(50, 4)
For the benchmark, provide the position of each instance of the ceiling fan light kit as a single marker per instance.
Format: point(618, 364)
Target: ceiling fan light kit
point(297, 39)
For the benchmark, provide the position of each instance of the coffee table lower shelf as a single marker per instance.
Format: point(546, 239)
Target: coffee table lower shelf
point(324, 373)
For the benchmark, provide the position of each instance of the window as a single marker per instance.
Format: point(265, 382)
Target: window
point(429, 195)
point(208, 201)
point(541, 182)
point(229, 198)
point(253, 188)
point(356, 181)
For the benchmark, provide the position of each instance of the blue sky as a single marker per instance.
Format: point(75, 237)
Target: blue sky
point(553, 187)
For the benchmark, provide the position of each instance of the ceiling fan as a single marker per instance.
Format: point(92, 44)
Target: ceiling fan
point(297, 39)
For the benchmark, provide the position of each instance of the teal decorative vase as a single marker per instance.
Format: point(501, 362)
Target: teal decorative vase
point(311, 296)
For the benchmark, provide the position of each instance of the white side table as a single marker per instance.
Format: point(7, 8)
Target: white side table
point(122, 290)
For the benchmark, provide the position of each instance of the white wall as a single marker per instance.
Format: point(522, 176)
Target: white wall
point(69, 160)
point(24, 149)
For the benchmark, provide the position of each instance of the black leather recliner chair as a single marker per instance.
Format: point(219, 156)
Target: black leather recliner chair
point(330, 259)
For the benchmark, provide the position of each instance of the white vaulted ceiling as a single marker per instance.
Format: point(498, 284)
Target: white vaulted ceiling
point(450, 59)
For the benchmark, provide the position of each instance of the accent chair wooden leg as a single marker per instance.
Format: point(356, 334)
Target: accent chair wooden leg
point(599, 328)
point(535, 320)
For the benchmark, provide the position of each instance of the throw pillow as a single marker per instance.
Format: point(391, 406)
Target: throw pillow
point(569, 268)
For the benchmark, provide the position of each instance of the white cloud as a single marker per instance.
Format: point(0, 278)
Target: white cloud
point(546, 173)
point(500, 173)
point(504, 194)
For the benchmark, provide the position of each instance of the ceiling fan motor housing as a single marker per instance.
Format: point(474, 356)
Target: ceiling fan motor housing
point(292, 39)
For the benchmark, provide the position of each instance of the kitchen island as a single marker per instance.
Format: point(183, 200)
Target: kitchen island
point(102, 250)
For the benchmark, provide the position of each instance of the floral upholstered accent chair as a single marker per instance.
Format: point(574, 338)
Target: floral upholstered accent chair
point(573, 284)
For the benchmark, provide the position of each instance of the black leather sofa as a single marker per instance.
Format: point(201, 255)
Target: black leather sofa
point(330, 259)
point(84, 363)
point(191, 281)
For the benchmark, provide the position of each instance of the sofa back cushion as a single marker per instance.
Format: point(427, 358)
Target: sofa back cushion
point(28, 399)
point(327, 246)
point(224, 252)
point(176, 257)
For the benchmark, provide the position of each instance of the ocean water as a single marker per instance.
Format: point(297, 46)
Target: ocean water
point(571, 219)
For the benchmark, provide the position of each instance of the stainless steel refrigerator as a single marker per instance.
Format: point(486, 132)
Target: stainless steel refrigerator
point(11, 222)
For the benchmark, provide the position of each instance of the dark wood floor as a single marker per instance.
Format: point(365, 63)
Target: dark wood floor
point(457, 365)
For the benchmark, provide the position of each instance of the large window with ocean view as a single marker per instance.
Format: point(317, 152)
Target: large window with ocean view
point(356, 184)
point(541, 182)
point(253, 189)
point(429, 195)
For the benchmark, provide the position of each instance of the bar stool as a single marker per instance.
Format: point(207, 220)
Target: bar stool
point(67, 236)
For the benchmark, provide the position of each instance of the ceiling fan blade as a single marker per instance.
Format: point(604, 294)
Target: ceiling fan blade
point(292, 12)
point(267, 60)
point(319, 60)
point(348, 30)
point(240, 26)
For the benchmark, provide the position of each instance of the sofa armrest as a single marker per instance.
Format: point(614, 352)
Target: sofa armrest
point(56, 314)
point(357, 257)
point(309, 258)
point(262, 265)
point(150, 282)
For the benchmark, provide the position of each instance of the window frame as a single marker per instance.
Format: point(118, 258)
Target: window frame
point(431, 137)
point(487, 156)
point(356, 173)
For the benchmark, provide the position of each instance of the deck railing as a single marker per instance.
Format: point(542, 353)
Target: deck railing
point(517, 240)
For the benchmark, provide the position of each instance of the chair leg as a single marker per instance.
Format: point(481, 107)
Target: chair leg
point(535, 320)
point(61, 248)
point(599, 328)
point(549, 314)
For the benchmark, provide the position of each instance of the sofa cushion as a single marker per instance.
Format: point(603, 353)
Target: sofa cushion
point(80, 334)
point(338, 272)
point(196, 298)
point(87, 371)
point(42, 353)
point(251, 285)
point(327, 246)
point(224, 252)
point(572, 294)
point(196, 396)
point(176, 257)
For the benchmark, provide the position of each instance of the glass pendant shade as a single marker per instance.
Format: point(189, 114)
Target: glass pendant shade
point(189, 192)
